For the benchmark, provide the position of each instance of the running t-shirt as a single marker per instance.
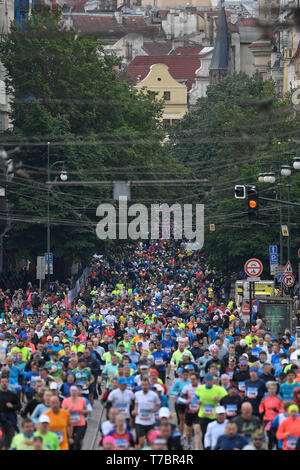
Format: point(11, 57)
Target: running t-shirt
point(77, 417)
point(190, 392)
point(82, 376)
point(58, 424)
point(50, 440)
point(122, 440)
point(206, 397)
point(146, 402)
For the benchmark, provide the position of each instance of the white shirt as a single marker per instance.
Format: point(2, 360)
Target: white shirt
point(121, 400)
point(106, 427)
point(146, 401)
point(213, 432)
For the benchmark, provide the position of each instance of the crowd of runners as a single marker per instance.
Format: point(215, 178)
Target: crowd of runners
point(156, 337)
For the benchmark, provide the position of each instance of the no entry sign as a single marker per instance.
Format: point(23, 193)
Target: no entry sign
point(253, 267)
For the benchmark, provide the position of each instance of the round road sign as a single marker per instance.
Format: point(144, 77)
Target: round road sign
point(288, 280)
point(253, 267)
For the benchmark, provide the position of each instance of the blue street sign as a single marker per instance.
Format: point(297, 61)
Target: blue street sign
point(274, 259)
point(273, 249)
point(280, 277)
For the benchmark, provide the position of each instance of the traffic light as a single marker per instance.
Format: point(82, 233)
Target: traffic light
point(252, 203)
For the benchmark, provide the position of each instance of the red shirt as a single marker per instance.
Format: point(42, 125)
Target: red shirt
point(110, 333)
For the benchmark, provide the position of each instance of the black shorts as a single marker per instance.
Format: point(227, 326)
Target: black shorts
point(180, 408)
point(142, 430)
point(192, 418)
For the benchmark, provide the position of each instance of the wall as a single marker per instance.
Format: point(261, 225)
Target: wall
point(178, 24)
point(177, 106)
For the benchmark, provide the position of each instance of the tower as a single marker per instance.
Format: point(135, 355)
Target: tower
point(220, 60)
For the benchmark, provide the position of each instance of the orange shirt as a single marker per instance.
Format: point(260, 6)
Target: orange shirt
point(136, 339)
point(292, 426)
point(58, 425)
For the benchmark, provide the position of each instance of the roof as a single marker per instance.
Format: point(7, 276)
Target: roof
point(219, 59)
point(157, 47)
point(180, 67)
point(262, 43)
point(78, 5)
point(248, 21)
point(107, 25)
point(232, 27)
point(264, 40)
point(163, 14)
point(212, 13)
point(187, 50)
point(297, 53)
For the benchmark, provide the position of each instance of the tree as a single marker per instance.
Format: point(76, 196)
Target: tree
point(234, 128)
point(97, 124)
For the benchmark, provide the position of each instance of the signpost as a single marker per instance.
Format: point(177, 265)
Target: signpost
point(288, 268)
point(288, 280)
point(253, 268)
point(40, 269)
point(50, 265)
point(273, 251)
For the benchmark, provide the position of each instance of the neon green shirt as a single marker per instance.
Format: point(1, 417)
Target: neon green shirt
point(177, 356)
point(50, 440)
point(206, 396)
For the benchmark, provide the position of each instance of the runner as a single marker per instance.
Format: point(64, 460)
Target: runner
point(146, 404)
point(60, 423)
point(77, 407)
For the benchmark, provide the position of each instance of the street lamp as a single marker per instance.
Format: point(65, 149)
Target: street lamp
point(286, 170)
point(296, 163)
point(63, 177)
point(282, 171)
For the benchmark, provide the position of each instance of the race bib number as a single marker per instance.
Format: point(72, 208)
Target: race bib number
point(208, 410)
point(231, 410)
point(193, 407)
point(242, 386)
point(123, 408)
point(59, 436)
point(252, 392)
point(121, 444)
point(75, 417)
point(145, 414)
point(291, 442)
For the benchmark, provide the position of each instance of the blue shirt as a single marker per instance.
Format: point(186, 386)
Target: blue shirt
point(226, 442)
point(158, 357)
point(167, 346)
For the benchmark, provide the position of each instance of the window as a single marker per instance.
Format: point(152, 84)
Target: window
point(167, 95)
point(175, 120)
point(153, 94)
point(167, 123)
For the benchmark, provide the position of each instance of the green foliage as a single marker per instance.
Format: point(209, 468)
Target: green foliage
point(66, 91)
point(227, 139)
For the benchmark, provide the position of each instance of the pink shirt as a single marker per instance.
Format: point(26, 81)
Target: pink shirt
point(77, 417)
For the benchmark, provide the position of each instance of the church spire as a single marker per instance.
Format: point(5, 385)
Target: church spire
point(220, 59)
